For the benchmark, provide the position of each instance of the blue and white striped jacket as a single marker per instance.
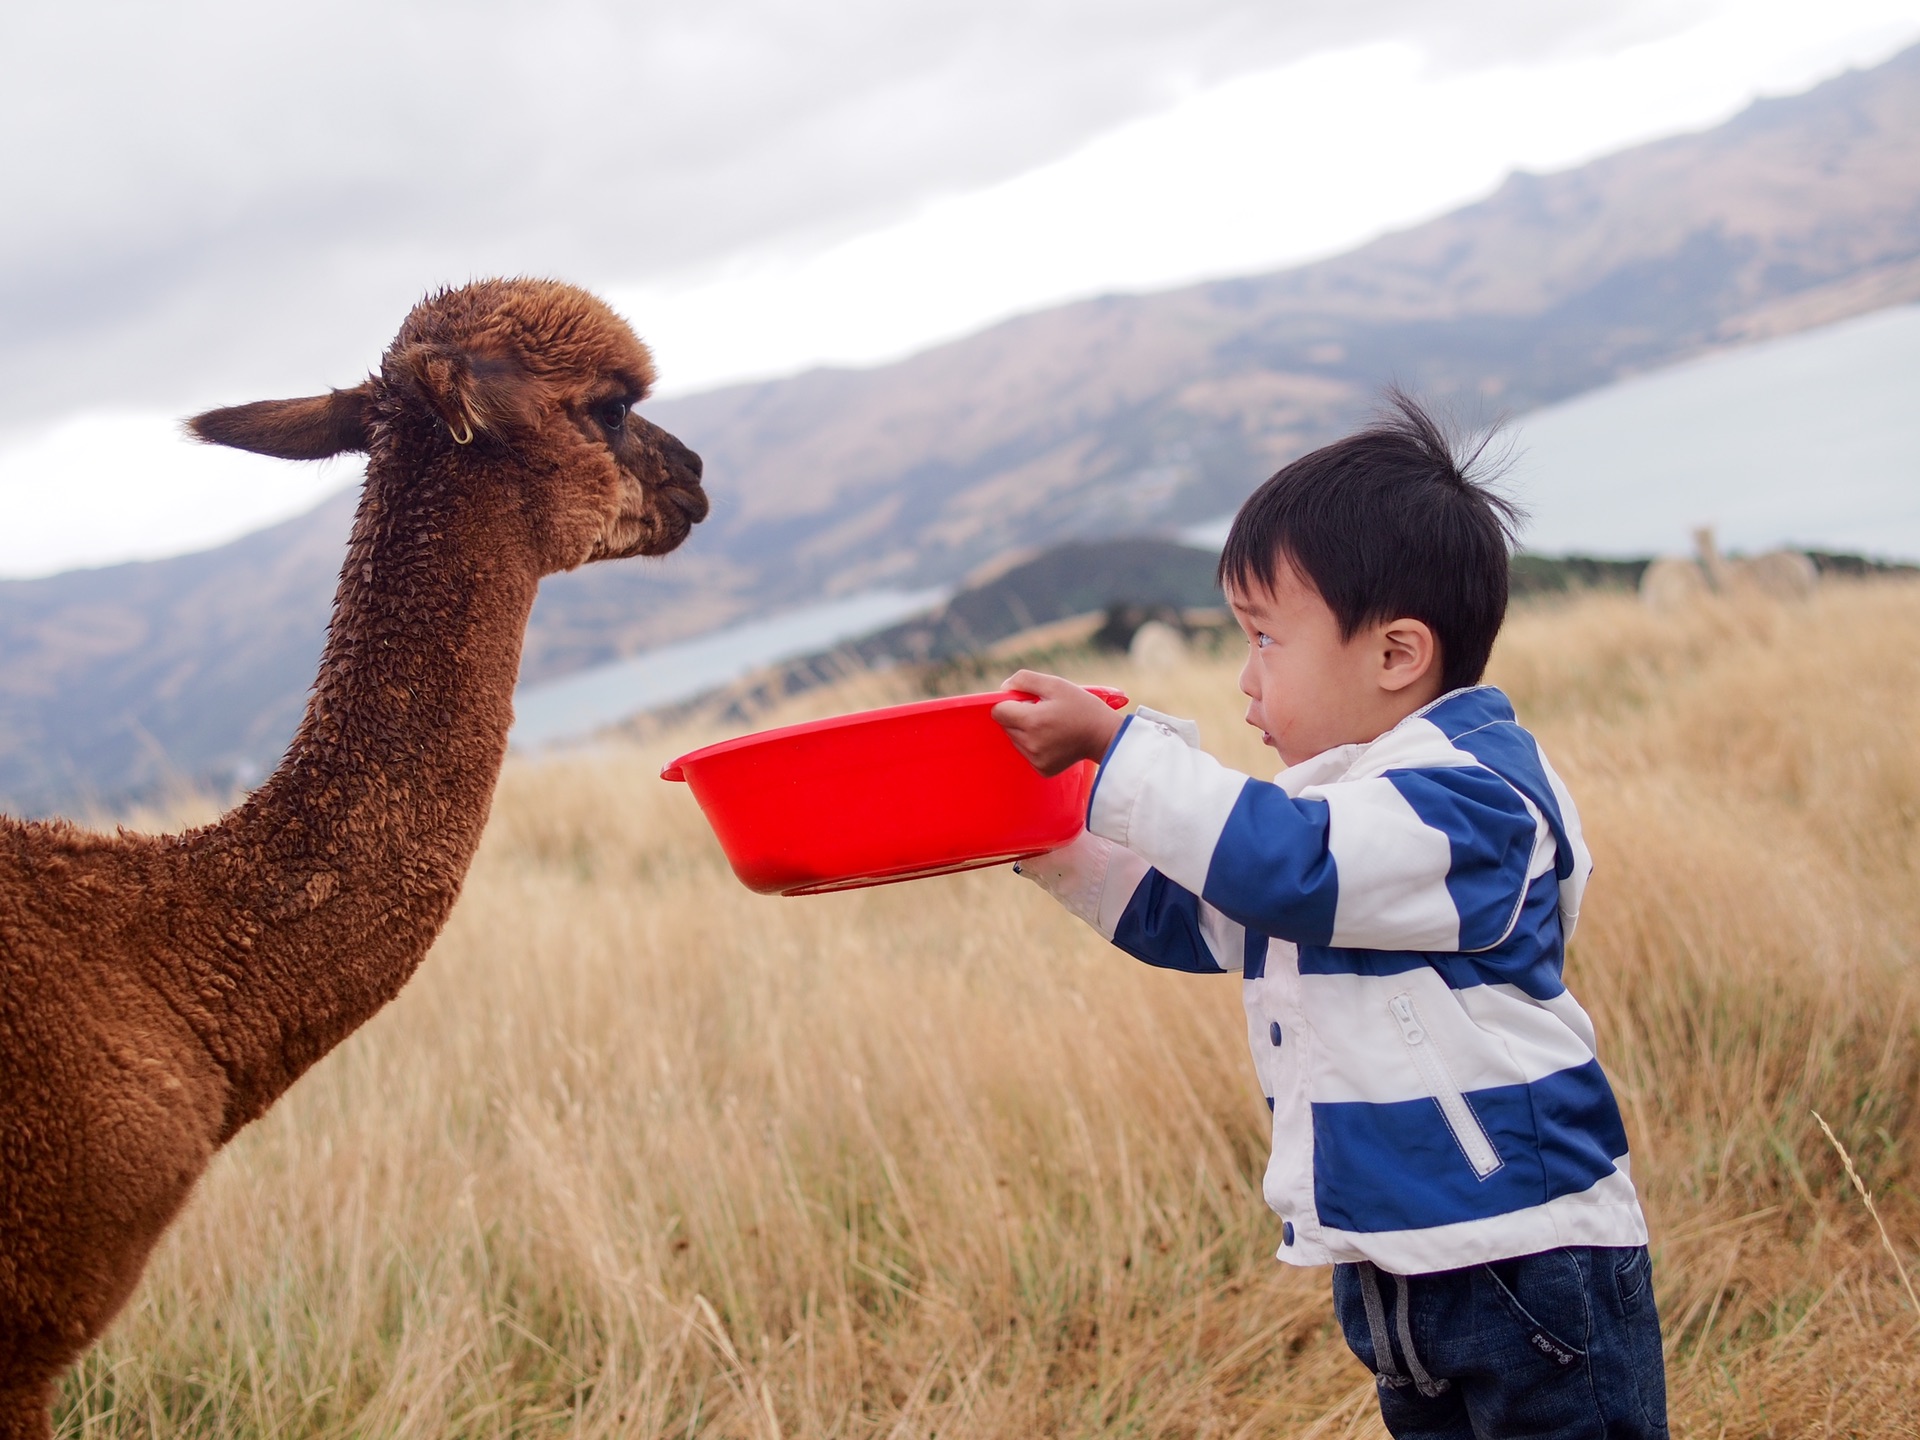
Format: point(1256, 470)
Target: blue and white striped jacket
point(1399, 912)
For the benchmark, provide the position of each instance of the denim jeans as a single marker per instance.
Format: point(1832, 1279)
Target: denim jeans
point(1553, 1346)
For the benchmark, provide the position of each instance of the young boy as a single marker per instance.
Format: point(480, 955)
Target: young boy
point(1398, 902)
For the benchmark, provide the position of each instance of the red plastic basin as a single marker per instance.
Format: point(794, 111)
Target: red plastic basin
point(882, 796)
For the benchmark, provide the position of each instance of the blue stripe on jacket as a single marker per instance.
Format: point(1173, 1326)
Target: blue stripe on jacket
point(1482, 723)
point(1530, 959)
point(1161, 925)
point(1397, 1166)
point(1271, 869)
point(1490, 833)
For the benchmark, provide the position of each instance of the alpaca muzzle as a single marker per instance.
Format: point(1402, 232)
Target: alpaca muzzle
point(685, 470)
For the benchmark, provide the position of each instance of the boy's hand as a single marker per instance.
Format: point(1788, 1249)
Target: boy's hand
point(1064, 726)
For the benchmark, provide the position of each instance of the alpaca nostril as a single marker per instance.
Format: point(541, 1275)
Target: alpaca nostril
point(675, 454)
point(679, 455)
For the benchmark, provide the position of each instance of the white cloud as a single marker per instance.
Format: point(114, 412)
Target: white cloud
point(1253, 174)
point(100, 488)
point(209, 197)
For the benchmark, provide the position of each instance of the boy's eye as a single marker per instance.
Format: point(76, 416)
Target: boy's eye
point(1262, 639)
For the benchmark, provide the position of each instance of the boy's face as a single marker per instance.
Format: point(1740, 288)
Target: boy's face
point(1308, 688)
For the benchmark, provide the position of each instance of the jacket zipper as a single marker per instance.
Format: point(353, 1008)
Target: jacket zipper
point(1468, 1133)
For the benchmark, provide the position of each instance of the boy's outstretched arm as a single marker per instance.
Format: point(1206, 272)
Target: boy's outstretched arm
point(1426, 851)
point(1113, 890)
point(1432, 856)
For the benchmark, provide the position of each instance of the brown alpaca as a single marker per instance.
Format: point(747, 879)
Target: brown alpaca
point(159, 992)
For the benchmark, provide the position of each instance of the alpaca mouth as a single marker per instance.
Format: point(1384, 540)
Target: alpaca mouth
point(668, 517)
point(690, 500)
point(680, 504)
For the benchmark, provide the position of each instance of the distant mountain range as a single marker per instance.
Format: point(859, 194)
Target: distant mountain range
point(1114, 416)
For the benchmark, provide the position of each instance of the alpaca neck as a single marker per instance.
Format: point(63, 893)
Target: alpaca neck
point(337, 874)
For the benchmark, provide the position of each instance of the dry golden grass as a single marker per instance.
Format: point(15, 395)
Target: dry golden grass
point(640, 1153)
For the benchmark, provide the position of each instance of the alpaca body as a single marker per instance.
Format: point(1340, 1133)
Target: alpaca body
point(130, 1093)
point(1670, 583)
point(158, 993)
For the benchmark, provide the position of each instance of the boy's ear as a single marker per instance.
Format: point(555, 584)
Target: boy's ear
point(311, 428)
point(1409, 653)
point(473, 392)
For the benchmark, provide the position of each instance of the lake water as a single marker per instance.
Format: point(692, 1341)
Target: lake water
point(580, 704)
point(1812, 440)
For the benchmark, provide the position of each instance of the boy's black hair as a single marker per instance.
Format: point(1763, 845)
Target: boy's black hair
point(1389, 522)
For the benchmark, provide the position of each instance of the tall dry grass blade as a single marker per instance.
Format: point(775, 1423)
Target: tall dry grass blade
point(1873, 1210)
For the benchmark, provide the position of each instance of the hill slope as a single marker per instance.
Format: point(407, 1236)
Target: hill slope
point(1114, 416)
point(1120, 413)
point(125, 680)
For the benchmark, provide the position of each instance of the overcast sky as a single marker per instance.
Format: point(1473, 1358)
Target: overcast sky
point(217, 201)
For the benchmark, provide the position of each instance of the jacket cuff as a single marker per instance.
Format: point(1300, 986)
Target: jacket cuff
point(1093, 878)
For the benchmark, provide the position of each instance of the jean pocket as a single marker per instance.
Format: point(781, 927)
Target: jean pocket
point(1632, 1279)
point(1554, 1307)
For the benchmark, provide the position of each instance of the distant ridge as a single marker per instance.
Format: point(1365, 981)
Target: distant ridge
point(1090, 593)
point(1093, 420)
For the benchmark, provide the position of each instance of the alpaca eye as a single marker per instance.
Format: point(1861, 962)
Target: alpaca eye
point(611, 413)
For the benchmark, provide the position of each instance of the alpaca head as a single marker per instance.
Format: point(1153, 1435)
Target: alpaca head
point(528, 384)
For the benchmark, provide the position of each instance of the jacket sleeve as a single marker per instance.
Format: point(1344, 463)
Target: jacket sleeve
point(1137, 908)
point(1432, 859)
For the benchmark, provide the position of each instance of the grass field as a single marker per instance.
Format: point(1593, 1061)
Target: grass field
point(640, 1153)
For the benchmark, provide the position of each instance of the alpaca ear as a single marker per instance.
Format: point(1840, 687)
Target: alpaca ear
point(311, 428)
point(473, 392)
